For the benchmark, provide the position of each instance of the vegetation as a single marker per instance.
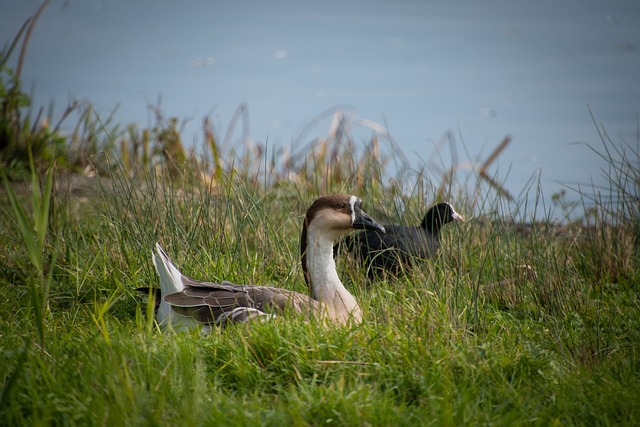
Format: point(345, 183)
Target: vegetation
point(510, 324)
point(469, 339)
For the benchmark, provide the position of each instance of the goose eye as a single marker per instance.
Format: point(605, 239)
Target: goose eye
point(343, 205)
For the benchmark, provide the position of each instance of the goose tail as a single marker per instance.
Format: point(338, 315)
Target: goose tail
point(170, 276)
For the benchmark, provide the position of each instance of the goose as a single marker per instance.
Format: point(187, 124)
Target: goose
point(393, 250)
point(186, 303)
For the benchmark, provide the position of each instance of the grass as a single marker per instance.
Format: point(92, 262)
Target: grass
point(468, 339)
point(513, 323)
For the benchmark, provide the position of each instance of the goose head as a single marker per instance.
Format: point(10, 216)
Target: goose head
point(327, 219)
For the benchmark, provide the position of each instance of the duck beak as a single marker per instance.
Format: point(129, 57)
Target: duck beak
point(363, 221)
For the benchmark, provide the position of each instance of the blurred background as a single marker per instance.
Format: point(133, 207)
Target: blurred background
point(448, 80)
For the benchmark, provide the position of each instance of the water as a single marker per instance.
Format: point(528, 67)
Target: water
point(476, 70)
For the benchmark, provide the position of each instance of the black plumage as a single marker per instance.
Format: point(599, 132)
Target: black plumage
point(395, 251)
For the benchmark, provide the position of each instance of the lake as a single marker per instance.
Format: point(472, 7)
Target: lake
point(429, 71)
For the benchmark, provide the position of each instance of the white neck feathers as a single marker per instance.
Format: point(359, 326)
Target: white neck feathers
point(326, 286)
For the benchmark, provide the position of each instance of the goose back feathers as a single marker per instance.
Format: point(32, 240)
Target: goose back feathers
point(186, 302)
point(395, 250)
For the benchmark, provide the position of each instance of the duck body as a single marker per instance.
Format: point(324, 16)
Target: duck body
point(397, 249)
point(186, 303)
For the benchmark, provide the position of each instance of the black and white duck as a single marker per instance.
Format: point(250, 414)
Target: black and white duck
point(394, 251)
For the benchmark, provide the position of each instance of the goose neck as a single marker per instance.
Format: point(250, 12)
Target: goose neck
point(325, 285)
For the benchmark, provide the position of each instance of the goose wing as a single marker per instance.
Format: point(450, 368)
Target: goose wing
point(220, 303)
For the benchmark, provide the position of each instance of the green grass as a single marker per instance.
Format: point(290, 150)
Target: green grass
point(447, 345)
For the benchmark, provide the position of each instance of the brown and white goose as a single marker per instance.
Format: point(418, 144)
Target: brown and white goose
point(186, 303)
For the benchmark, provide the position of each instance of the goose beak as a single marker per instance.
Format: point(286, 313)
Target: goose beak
point(363, 221)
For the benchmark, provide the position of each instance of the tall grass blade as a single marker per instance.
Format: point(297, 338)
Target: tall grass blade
point(41, 200)
point(29, 237)
point(34, 233)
